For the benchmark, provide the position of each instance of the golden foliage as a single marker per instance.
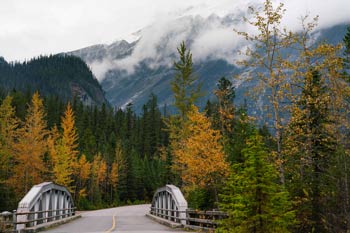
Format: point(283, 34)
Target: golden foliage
point(118, 166)
point(63, 151)
point(8, 126)
point(30, 147)
point(82, 177)
point(200, 155)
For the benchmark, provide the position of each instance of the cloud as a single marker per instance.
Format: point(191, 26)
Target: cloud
point(208, 29)
point(330, 12)
point(31, 28)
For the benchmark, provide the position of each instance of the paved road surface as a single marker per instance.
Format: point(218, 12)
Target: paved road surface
point(127, 219)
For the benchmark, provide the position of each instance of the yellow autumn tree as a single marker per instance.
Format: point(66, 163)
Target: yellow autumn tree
point(118, 169)
point(8, 126)
point(98, 177)
point(63, 150)
point(30, 148)
point(83, 174)
point(200, 155)
point(52, 141)
point(266, 56)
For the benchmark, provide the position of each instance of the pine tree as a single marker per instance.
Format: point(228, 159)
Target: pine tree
point(30, 148)
point(252, 197)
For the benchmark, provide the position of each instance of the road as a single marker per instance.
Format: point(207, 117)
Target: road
point(128, 219)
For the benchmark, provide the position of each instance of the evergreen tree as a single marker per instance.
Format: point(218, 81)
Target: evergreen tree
point(185, 93)
point(252, 197)
point(225, 94)
point(310, 147)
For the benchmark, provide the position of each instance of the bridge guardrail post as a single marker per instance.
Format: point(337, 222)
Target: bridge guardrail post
point(14, 220)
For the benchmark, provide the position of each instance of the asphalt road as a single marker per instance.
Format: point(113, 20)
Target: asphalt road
point(128, 219)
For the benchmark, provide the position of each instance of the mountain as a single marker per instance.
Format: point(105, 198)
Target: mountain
point(130, 72)
point(64, 76)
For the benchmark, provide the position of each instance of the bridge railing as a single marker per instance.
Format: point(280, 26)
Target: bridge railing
point(207, 220)
point(169, 203)
point(43, 204)
point(169, 214)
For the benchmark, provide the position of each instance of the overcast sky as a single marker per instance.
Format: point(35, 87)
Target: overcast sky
point(30, 28)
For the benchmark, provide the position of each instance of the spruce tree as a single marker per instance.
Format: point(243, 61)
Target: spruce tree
point(252, 197)
point(183, 86)
point(310, 145)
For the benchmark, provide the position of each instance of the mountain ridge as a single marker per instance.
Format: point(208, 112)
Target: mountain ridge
point(67, 77)
point(133, 71)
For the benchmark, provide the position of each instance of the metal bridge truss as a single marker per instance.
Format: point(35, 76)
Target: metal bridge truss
point(44, 203)
point(169, 203)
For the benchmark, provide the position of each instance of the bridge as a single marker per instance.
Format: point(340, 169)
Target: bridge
point(47, 205)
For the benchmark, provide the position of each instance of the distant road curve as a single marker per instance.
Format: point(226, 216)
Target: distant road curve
point(128, 219)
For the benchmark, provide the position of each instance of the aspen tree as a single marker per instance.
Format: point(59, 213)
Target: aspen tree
point(267, 59)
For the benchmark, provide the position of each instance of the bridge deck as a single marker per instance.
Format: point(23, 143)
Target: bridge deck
point(128, 219)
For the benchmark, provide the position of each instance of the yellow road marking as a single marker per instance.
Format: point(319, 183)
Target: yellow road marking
point(113, 225)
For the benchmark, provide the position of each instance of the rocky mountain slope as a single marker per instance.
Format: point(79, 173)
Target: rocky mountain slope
point(130, 72)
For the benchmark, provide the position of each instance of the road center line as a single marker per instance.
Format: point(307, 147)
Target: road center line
point(113, 225)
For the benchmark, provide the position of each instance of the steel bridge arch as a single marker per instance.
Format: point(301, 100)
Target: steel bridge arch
point(169, 203)
point(45, 202)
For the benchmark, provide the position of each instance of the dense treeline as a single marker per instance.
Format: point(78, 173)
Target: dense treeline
point(107, 157)
point(61, 75)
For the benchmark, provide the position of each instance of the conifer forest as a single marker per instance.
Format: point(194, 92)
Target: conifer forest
point(285, 171)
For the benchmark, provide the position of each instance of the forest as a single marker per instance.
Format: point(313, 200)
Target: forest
point(287, 175)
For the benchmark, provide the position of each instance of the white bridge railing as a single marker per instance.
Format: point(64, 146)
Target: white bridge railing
point(44, 203)
point(169, 204)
